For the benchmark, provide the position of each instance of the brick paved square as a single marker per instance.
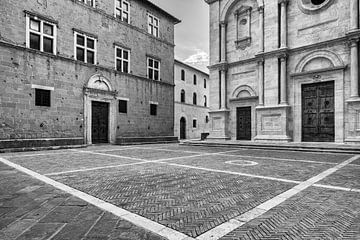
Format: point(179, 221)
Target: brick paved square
point(45, 164)
point(299, 171)
point(188, 193)
point(348, 177)
point(312, 214)
point(148, 154)
point(186, 200)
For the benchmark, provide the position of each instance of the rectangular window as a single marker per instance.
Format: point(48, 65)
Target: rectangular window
point(204, 83)
point(41, 35)
point(153, 109)
point(88, 2)
point(122, 10)
point(153, 25)
point(42, 97)
point(85, 48)
point(153, 69)
point(194, 123)
point(123, 106)
point(122, 59)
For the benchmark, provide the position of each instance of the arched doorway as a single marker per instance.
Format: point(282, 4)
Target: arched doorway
point(182, 128)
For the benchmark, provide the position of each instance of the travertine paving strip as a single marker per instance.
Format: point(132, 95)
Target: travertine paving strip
point(126, 215)
point(239, 221)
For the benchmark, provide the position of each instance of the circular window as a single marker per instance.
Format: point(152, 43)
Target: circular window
point(313, 6)
point(317, 2)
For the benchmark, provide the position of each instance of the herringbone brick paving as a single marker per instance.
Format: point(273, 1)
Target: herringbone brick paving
point(348, 177)
point(298, 171)
point(189, 201)
point(30, 209)
point(63, 162)
point(312, 214)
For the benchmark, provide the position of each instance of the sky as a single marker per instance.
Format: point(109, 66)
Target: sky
point(192, 34)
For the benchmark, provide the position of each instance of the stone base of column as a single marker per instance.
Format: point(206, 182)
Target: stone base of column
point(352, 123)
point(219, 124)
point(273, 123)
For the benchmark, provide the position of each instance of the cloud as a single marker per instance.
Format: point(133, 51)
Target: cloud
point(199, 57)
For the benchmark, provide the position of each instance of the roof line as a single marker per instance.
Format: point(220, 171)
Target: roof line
point(176, 20)
point(194, 68)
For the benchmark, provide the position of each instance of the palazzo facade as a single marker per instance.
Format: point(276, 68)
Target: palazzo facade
point(284, 70)
point(191, 102)
point(85, 71)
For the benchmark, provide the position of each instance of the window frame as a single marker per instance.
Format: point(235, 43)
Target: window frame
point(205, 101)
point(40, 33)
point(126, 100)
point(205, 83)
point(85, 2)
point(122, 10)
point(85, 48)
point(153, 69)
point(182, 96)
point(122, 58)
point(183, 75)
point(194, 99)
point(195, 79)
point(151, 26)
point(194, 123)
point(155, 104)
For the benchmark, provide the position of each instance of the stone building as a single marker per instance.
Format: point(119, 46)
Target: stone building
point(285, 70)
point(85, 71)
point(191, 101)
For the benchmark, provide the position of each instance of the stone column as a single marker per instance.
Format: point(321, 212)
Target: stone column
point(223, 41)
point(283, 81)
point(261, 27)
point(354, 48)
point(354, 14)
point(283, 23)
point(261, 82)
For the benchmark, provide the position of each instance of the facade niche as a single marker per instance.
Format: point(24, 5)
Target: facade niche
point(243, 27)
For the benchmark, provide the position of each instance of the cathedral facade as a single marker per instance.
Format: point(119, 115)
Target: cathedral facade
point(284, 70)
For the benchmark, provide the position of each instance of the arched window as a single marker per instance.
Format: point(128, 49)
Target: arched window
point(206, 119)
point(205, 101)
point(194, 99)
point(183, 74)
point(182, 96)
point(204, 83)
point(194, 79)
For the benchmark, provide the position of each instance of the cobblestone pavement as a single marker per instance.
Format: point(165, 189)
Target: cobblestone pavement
point(31, 209)
point(192, 190)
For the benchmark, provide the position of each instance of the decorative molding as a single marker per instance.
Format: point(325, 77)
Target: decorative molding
point(309, 8)
point(332, 57)
point(43, 17)
point(317, 71)
point(42, 87)
point(242, 88)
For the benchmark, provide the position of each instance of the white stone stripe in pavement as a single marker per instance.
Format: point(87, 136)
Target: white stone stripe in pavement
point(237, 222)
point(122, 213)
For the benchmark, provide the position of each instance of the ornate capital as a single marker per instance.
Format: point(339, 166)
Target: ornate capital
point(353, 42)
point(223, 66)
point(223, 23)
point(261, 9)
point(283, 57)
point(260, 61)
point(283, 2)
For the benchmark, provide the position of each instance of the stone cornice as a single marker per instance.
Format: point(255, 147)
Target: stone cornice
point(332, 69)
point(288, 51)
point(68, 59)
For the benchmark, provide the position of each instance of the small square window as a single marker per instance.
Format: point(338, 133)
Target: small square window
point(42, 97)
point(153, 109)
point(123, 106)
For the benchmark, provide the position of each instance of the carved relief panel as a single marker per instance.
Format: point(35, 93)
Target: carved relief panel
point(243, 27)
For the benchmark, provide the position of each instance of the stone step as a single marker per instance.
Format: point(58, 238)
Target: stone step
point(306, 147)
point(146, 140)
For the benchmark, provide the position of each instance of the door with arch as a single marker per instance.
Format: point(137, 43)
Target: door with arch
point(182, 128)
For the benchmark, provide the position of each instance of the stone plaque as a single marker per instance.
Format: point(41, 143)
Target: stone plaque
point(271, 123)
point(216, 123)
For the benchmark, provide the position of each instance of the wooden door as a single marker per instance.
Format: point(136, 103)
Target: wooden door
point(100, 122)
point(318, 121)
point(182, 128)
point(243, 123)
